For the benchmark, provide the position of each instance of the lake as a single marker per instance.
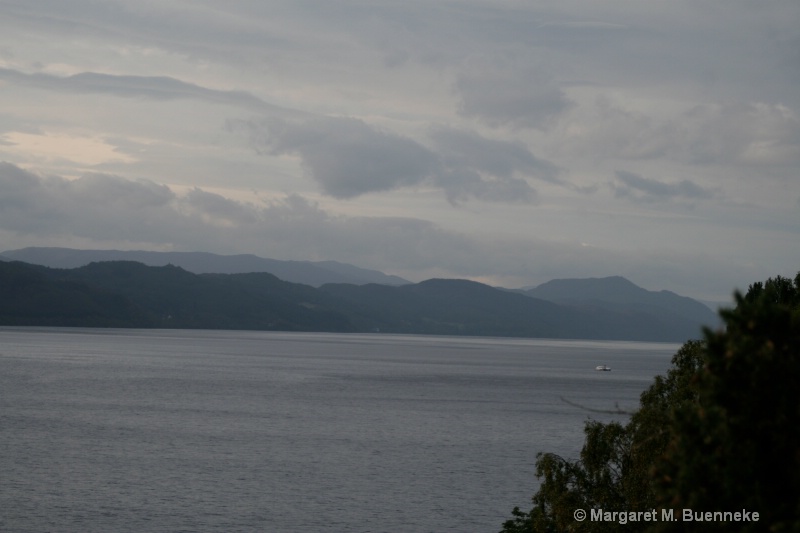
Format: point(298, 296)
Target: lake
point(113, 430)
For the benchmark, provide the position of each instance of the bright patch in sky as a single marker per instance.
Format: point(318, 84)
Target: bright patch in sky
point(50, 147)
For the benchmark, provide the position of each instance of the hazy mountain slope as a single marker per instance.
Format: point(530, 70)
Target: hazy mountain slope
point(453, 307)
point(620, 295)
point(130, 294)
point(306, 272)
point(465, 307)
point(360, 276)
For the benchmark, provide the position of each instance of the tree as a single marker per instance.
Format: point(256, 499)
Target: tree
point(738, 447)
point(614, 471)
point(777, 290)
point(719, 432)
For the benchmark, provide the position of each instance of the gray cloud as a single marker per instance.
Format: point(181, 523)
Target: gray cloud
point(509, 97)
point(634, 185)
point(218, 209)
point(516, 89)
point(462, 184)
point(501, 159)
point(111, 192)
point(488, 169)
point(197, 30)
point(724, 44)
point(20, 189)
point(113, 209)
point(346, 156)
point(152, 87)
point(756, 134)
point(752, 133)
point(110, 209)
point(137, 214)
point(668, 90)
point(94, 206)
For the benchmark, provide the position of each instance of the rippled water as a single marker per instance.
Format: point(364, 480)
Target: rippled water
point(154, 430)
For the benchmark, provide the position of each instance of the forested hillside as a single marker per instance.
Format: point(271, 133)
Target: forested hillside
point(130, 294)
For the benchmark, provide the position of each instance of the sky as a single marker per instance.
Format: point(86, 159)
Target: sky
point(509, 142)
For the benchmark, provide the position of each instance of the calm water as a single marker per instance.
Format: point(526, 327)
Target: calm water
point(153, 430)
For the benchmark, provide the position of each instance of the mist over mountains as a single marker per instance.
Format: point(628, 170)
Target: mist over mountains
point(133, 294)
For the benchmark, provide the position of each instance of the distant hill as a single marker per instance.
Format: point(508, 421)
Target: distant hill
point(166, 296)
point(465, 307)
point(306, 272)
point(28, 297)
point(131, 294)
point(619, 295)
point(456, 307)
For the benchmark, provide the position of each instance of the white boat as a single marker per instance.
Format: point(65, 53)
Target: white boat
point(603, 368)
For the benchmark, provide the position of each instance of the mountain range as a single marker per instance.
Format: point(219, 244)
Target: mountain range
point(314, 273)
point(132, 294)
point(617, 294)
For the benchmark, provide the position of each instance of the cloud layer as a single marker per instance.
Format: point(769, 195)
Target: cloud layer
point(636, 186)
point(349, 158)
point(493, 140)
point(105, 209)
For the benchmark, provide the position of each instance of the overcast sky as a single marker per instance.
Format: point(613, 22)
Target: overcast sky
point(510, 142)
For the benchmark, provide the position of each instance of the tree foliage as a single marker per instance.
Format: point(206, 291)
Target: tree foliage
point(719, 432)
point(739, 447)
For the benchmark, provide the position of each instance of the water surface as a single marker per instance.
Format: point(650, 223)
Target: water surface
point(167, 430)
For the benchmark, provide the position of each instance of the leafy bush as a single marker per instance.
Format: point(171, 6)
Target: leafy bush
point(719, 432)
